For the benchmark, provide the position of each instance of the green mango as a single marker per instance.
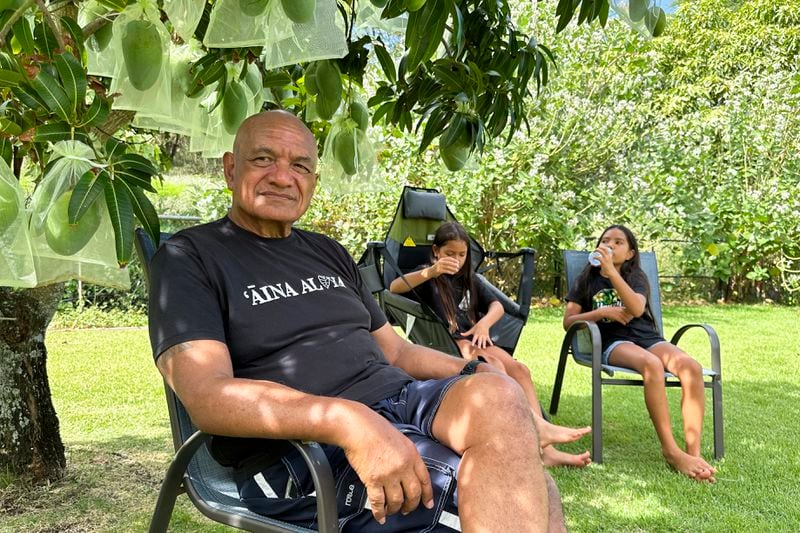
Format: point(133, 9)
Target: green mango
point(656, 21)
point(234, 107)
point(455, 144)
point(329, 84)
point(102, 37)
point(142, 53)
point(637, 9)
point(310, 77)
point(414, 5)
point(300, 11)
point(9, 205)
point(454, 156)
point(359, 113)
point(67, 239)
point(253, 8)
point(345, 149)
point(253, 80)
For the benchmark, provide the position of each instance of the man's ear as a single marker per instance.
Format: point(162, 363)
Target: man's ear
point(227, 168)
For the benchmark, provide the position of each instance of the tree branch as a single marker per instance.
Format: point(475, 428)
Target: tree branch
point(14, 17)
point(98, 23)
point(52, 23)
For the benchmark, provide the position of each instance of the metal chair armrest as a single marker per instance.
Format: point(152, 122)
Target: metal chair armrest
point(713, 339)
point(314, 456)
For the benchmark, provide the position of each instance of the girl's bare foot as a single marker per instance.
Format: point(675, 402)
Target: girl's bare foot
point(553, 457)
point(694, 467)
point(553, 434)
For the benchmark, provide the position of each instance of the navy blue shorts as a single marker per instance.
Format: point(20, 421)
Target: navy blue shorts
point(284, 491)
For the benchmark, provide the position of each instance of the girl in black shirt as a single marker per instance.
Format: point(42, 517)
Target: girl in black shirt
point(614, 295)
point(447, 286)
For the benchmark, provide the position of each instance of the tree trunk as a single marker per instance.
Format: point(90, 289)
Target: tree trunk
point(30, 441)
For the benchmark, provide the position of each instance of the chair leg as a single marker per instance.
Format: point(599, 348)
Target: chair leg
point(172, 485)
point(597, 417)
point(716, 405)
point(562, 363)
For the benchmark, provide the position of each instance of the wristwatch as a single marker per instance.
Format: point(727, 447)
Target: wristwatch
point(470, 367)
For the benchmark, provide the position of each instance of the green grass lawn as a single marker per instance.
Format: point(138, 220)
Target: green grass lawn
point(114, 424)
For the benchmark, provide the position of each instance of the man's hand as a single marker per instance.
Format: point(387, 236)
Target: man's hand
point(480, 335)
point(617, 314)
point(388, 464)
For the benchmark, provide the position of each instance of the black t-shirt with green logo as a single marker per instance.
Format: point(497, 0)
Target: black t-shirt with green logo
point(293, 311)
point(641, 330)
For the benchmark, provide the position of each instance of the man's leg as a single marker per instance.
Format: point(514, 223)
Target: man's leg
point(501, 480)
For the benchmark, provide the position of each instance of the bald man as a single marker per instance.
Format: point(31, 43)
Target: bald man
point(266, 332)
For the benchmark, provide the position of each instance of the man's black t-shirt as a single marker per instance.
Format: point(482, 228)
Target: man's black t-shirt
point(292, 310)
point(601, 293)
point(461, 297)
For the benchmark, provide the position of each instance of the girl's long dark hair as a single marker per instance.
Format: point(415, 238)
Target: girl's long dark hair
point(453, 231)
point(631, 268)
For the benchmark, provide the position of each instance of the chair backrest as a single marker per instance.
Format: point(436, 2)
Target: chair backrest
point(410, 235)
point(574, 263)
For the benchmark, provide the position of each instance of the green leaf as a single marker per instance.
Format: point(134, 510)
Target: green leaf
point(565, 10)
point(144, 211)
point(8, 127)
point(22, 31)
point(120, 210)
point(135, 178)
point(10, 78)
point(97, 112)
point(278, 78)
point(53, 132)
point(134, 162)
point(433, 127)
point(114, 147)
point(458, 27)
point(73, 79)
point(86, 192)
point(29, 97)
point(116, 5)
point(49, 90)
point(386, 61)
point(6, 150)
point(449, 75)
point(45, 40)
point(75, 31)
point(424, 32)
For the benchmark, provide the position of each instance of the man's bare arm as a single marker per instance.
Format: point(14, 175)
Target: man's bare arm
point(418, 361)
point(387, 462)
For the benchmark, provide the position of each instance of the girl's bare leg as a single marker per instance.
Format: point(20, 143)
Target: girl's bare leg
point(693, 400)
point(651, 367)
point(548, 433)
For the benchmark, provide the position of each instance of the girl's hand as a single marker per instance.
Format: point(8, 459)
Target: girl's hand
point(444, 265)
point(617, 314)
point(480, 335)
point(606, 260)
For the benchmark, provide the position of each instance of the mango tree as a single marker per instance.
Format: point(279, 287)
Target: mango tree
point(459, 71)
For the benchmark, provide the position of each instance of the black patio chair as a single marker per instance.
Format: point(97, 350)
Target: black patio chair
point(408, 244)
point(582, 340)
point(209, 485)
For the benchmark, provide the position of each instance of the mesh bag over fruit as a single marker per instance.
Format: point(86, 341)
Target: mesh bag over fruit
point(348, 161)
point(184, 15)
point(290, 31)
point(61, 251)
point(16, 257)
point(142, 70)
point(101, 58)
